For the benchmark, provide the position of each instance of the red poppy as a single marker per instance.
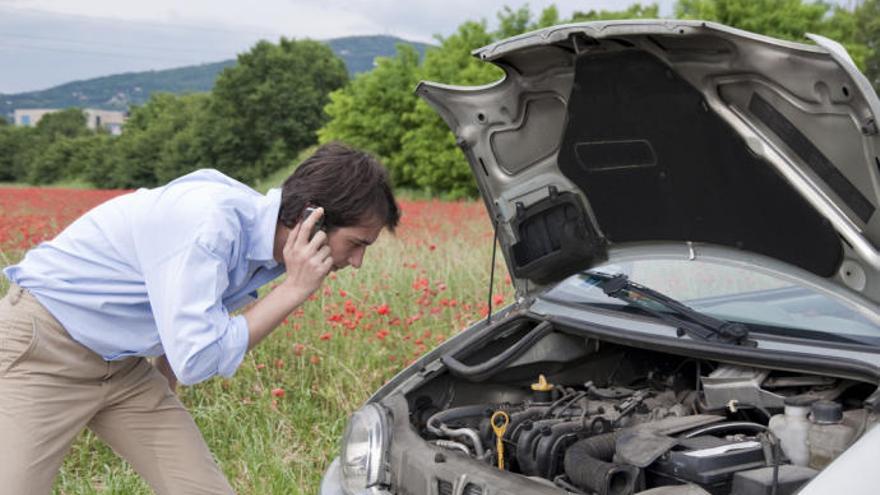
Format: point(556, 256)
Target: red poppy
point(383, 309)
point(278, 392)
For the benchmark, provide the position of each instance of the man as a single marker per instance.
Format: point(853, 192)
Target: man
point(157, 273)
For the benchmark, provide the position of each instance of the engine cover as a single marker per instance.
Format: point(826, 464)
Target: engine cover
point(707, 461)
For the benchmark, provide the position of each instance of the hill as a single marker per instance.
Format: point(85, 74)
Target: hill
point(119, 91)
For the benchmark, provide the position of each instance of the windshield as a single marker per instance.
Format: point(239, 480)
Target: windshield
point(733, 293)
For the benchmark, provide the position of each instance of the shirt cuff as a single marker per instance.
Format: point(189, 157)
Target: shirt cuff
point(233, 345)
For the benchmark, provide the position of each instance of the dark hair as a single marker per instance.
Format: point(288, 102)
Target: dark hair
point(351, 186)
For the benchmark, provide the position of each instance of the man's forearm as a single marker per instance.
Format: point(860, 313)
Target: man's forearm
point(271, 310)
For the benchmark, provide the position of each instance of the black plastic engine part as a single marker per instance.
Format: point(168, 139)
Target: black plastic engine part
point(483, 371)
point(527, 443)
point(587, 466)
point(695, 460)
point(760, 481)
point(550, 449)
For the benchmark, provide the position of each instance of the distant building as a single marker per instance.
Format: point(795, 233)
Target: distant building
point(109, 120)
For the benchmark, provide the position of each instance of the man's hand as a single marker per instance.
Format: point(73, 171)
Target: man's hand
point(307, 263)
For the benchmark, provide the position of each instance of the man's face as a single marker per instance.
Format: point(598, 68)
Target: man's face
point(348, 244)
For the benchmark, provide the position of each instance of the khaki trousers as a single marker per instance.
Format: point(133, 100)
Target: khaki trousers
point(51, 387)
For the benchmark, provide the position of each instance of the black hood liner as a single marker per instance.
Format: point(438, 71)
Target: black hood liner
point(657, 164)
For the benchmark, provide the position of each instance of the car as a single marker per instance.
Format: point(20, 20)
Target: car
point(688, 214)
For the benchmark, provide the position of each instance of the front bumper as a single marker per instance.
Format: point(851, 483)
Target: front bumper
point(331, 483)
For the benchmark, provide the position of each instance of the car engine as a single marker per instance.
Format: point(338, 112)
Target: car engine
point(594, 417)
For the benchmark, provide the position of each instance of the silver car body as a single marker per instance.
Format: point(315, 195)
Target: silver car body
point(685, 140)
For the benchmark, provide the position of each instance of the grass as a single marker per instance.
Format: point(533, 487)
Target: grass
point(328, 358)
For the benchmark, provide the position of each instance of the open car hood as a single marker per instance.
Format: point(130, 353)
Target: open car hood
point(608, 133)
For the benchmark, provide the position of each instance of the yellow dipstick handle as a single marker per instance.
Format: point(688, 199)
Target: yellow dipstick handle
point(499, 422)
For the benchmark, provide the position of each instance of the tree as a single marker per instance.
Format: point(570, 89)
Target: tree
point(15, 144)
point(62, 124)
point(94, 157)
point(44, 158)
point(634, 11)
point(379, 112)
point(367, 113)
point(429, 156)
point(788, 19)
point(269, 106)
point(160, 142)
point(858, 30)
point(867, 33)
point(54, 162)
point(513, 22)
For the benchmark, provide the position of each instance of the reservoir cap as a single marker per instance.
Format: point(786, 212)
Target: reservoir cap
point(826, 412)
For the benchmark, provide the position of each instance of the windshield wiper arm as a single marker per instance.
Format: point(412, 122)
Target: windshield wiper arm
point(686, 320)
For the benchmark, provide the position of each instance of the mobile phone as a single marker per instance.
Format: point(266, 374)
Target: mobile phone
point(319, 225)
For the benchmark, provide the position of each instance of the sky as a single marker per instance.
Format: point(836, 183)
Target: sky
point(44, 43)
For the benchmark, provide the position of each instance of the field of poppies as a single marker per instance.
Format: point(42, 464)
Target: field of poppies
point(275, 425)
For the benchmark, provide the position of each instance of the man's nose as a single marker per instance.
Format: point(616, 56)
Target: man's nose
point(357, 257)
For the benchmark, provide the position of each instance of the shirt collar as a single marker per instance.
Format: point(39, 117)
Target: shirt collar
point(261, 239)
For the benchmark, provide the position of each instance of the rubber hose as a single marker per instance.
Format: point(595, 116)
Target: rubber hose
point(457, 413)
point(484, 370)
point(547, 444)
point(437, 423)
point(587, 465)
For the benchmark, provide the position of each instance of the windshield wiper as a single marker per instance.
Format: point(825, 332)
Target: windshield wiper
point(686, 320)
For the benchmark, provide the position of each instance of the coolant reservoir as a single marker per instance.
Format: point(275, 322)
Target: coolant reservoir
point(829, 436)
point(792, 429)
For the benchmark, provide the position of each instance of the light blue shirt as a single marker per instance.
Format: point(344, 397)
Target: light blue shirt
point(158, 271)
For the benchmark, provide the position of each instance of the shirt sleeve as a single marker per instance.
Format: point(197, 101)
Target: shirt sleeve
point(199, 336)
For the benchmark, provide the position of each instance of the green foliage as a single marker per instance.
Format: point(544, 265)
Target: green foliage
point(93, 157)
point(67, 123)
point(379, 112)
point(788, 19)
point(513, 22)
point(367, 113)
point(634, 11)
point(160, 142)
point(867, 33)
point(84, 156)
point(858, 29)
point(270, 105)
point(429, 156)
point(46, 154)
point(52, 163)
point(14, 143)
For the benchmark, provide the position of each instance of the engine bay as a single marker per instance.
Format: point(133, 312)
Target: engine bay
point(592, 417)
